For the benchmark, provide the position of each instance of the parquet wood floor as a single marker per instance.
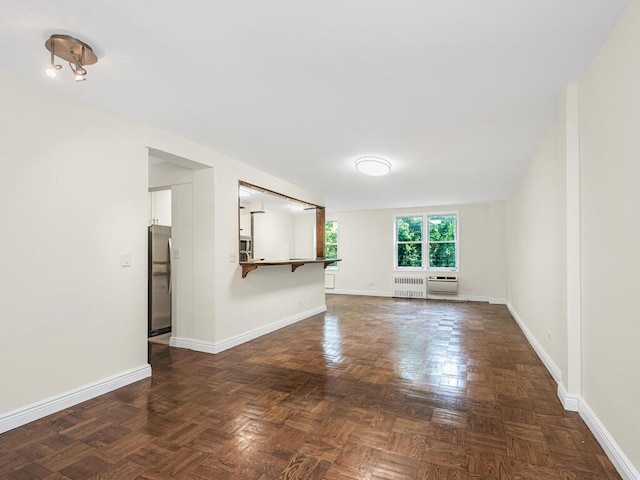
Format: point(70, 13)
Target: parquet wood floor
point(374, 389)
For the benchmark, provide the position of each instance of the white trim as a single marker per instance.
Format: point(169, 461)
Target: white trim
point(454, 298)
point(193, 344)
point(497, 301)
point(577, 403)
point(426, 242)
point(365, 293)
point(29, 413)
point(554, 370)
point(217, 347)
point(569, 402)
point(622, 463)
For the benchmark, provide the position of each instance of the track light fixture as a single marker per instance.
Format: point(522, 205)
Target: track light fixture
point(74, 51)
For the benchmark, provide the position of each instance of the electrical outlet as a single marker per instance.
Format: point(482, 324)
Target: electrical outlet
point(232, 257)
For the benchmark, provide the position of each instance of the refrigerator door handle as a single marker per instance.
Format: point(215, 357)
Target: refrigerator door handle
point(170, 265)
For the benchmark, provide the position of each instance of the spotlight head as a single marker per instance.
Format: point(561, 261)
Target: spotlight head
point(74, 51)
point(52, 70)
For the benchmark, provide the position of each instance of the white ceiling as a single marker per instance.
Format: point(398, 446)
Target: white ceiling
point(455, 93)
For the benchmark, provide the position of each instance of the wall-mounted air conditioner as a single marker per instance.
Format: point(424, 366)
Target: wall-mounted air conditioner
point(442, 284)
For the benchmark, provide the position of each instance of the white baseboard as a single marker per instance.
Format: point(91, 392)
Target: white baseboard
point(576, 403)
point(217, 347)
point(23, 415)
point(554, 370)
point(497, 301)
point(569, 401)
point(369, 293)
point(366, 293)
point(622, 463)
point(193, 344)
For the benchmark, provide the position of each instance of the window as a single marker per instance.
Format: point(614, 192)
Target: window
point(442, 241)
point(331, 241)
point(427, 242)
point(409, 241)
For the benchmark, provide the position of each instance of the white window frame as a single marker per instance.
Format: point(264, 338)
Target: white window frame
point(425, 242)
point(337, 244)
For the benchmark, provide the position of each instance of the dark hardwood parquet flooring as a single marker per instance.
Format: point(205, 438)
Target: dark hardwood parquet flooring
point(374, 389)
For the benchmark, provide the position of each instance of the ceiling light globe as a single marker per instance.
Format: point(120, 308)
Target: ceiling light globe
point(373, 166)
point(51, 72)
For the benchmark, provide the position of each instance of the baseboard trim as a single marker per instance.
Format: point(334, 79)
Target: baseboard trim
point(217, 347)
point(569, 401)
point(369, 293)
point(365, 293)
point(35, 411)
point(553, 369)
point(577, 403)
point(622, 463)
point(497, 301)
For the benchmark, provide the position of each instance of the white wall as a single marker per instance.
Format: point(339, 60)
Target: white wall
point(610, 186)
point(537, 248)
point(228, 308)
point(304, 239)
point(273, 235)
point(73, 191)
point(602, 198)
point(366, 245)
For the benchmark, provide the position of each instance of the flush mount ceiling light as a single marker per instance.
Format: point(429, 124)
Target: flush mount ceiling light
point(374, 166)
point(244, 192)
point(74, 51)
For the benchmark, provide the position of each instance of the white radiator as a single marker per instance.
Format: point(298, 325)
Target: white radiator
point(443, 284)
point(409, 287)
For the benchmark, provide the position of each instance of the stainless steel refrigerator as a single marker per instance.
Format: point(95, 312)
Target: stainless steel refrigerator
point(159, 280)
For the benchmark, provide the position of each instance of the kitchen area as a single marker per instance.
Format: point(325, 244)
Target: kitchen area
point(159, 266)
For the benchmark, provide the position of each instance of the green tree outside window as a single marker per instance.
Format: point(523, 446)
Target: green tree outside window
point(331, 240)
point(434, 236)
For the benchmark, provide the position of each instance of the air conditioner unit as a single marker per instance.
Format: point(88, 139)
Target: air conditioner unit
point(443, 284)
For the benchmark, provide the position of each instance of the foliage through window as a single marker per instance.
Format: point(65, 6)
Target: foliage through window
point(331, 241)
point(427, 242)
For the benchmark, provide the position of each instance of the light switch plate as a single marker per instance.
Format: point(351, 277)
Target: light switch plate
point(232, 257)
point(125, 259)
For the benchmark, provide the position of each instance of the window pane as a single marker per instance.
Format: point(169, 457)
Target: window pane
point(331, 251)
point(442, 255)
point(331, 232)
point(410, 255)
point(409, 229)
point(442, 228)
